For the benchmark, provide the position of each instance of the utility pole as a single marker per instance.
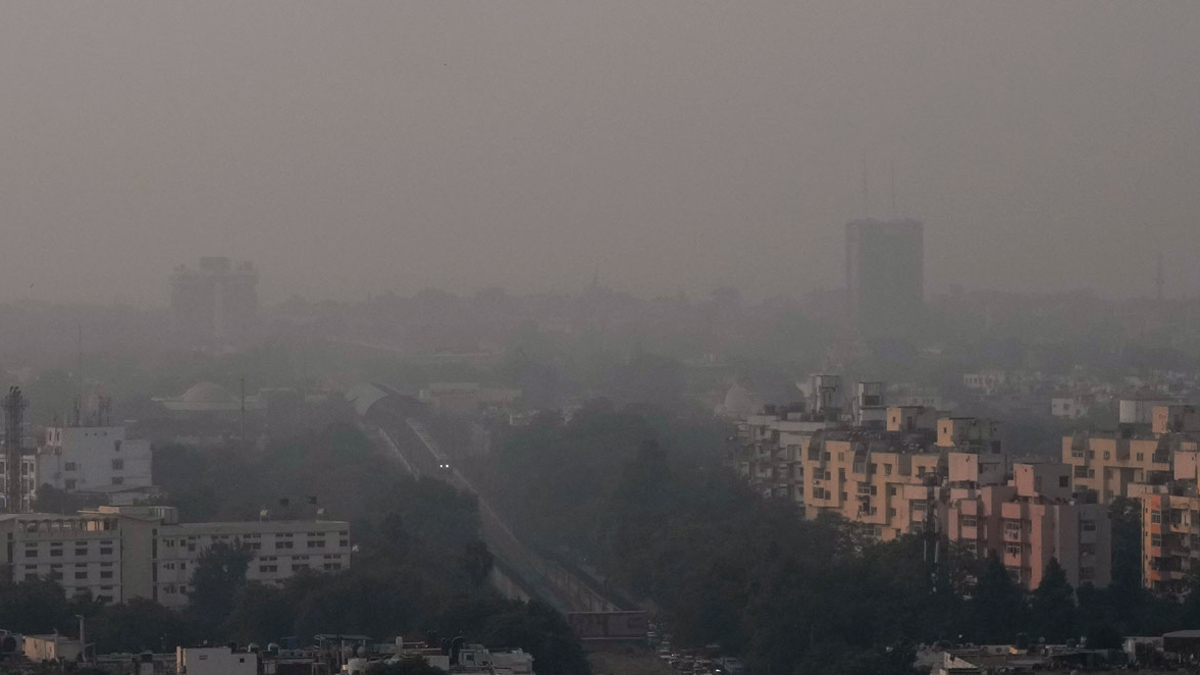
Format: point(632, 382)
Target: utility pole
point(242, 421)
point(866, 192)
point(82, 638)
point(1160, 281)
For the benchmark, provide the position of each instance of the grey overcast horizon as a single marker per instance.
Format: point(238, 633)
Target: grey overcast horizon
point(357, 148)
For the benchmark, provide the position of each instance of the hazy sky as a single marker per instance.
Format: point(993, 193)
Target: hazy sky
point(355, 147)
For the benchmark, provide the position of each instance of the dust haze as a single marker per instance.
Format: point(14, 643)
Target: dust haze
point(358, 148)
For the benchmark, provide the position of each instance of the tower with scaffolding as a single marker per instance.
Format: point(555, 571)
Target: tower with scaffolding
point(17, 465)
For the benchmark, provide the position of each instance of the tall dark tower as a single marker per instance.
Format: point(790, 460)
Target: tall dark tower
point(885, 276)
point(14, 428)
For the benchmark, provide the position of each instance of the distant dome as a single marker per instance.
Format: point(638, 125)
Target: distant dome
point(740, 402)
point(207, 392)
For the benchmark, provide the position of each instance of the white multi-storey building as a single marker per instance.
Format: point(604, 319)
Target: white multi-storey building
point(281, 550)
point(93, 459)
point(119, 552)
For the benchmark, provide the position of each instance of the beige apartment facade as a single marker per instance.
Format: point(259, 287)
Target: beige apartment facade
point(885, 475)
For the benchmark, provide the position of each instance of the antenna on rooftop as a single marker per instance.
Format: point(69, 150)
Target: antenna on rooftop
point(866, 192)
point(79, 376)
point(893, 189)
point(1159, 280)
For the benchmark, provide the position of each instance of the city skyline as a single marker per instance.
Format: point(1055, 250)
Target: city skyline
point(350, 152)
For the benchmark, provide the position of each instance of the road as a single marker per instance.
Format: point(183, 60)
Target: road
point(414, 447)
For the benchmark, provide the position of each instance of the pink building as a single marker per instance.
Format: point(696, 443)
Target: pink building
point(1034, 518)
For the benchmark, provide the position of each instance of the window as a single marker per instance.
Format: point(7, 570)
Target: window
point(118, 480)
point(1087, 573)
point(1091, 473)
point(69, 466)
point(69, 484)
point(1087, 549)
point(1091, 454)
point(1081, 472)
point(116, 446)
point(320, 543)
point(1140, 456)
point(968, 521)
point(81, 575)
point(1064, 481)
point(81, 552)
point(283, 544)
point(1156, 540)
point(1156, 517)
point(56, 552)
point(300, 566)
point(891, 513)
point(332, 567)
point(118, 464)
point(891, 492)
point(106, 551)
point(106, 574)
point(1088, 526)
point(887, 469)
point(267, 569)
point(1107, 454)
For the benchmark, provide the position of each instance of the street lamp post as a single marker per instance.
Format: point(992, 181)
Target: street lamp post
point(82, 638)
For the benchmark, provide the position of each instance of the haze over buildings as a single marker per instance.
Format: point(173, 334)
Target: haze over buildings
point(885, 275)
point(392, 146)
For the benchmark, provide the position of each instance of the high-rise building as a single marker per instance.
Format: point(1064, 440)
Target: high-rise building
point(885, 276)
point(216, 302)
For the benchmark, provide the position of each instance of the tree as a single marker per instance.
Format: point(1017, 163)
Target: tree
point(138, 625)
point(34, 606)
point(261, 613)
point(997, 607)
point(541, 631)
point(409, 665)
point(1052, 607)
point(220, 574)
point(477, 562)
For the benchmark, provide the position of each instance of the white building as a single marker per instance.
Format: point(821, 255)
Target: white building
point(1071, 407)
point(281, 549)
point(27, 483)
point(83, 553)
point(214, 661)
point(119, 552)
point(39, 648)
point(93, 459)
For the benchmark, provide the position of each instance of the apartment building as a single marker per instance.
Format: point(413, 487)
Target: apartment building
point(281, 550)
point(1171, 527)
point(1034, 517)
point(890, 478)
point(1116, 463)
point(85, 553)
point(884, 471)
point(121, 552)
point(93, 458)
